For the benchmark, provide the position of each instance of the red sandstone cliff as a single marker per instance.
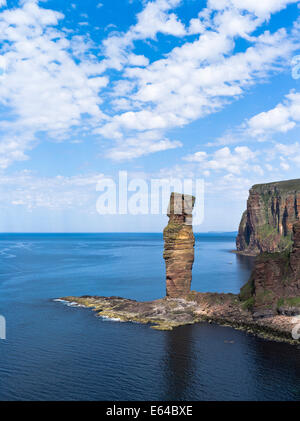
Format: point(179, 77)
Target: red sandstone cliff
point(266, 225)
point(274, 285)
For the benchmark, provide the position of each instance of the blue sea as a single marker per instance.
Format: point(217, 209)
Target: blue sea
point(57, 352)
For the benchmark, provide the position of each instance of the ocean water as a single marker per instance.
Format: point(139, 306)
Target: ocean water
point(57, 352)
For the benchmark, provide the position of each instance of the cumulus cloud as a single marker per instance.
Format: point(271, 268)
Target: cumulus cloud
point(262, 9)
point(145, 143)
point(285, 116)
point(54, 80)
point(153, 19)
point(200, 77)
point(288, 153)
point(234, 162)
point(54, 193)
point(181, 89)
point(43, 89)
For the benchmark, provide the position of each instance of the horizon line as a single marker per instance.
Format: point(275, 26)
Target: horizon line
point(109, 232)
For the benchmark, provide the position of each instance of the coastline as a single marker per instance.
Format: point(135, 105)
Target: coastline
point(244, 253)
point(169, 313)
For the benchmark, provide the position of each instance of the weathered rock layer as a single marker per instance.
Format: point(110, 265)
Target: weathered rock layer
point(274, 286)
point(179, 244)
point(272, 210)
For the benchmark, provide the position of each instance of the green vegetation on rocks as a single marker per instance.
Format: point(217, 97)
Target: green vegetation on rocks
point(286, 186)
point(247, 290)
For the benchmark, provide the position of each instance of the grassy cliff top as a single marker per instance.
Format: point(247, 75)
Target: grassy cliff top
point(282, 186)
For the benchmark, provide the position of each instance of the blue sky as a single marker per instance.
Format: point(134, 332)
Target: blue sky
point(161, 89)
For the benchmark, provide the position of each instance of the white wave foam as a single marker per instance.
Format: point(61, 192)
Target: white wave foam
point(68, 303)
point(7, 255)
point(23, 244)
point(110, 319)
point(74, 304)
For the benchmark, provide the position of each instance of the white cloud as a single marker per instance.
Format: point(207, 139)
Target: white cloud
point(54, 193)
point(284, 117)
point(196, 157)
point(137, 60)
point(175, 91)
point(196, 27)
point(224, 185)
point(289, 152)
point(153, 19)
point(143, 144)
point(262, 9)
point(231, 187)
point(44, 89)
point(53, 80)
point(234, 162)
point(200, 77)
point(284, 166)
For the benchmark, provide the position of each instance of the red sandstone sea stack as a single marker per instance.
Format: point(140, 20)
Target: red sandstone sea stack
point(179, 244)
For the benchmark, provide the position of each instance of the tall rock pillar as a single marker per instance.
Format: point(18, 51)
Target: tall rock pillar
point(179, 244)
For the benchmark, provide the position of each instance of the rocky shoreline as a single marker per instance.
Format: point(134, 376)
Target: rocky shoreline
point(169, 313)
point(267, 303)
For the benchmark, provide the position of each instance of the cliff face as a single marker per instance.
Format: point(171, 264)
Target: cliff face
point(274, 285)
point(179, 244)
point(266, 225)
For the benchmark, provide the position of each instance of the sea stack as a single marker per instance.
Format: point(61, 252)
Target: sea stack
point(179, 244)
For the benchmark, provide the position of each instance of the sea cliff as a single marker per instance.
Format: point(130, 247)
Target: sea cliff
point(274, 285)
point(266, 225)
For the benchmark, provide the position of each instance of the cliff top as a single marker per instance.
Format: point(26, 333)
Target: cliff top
point(283, 186)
